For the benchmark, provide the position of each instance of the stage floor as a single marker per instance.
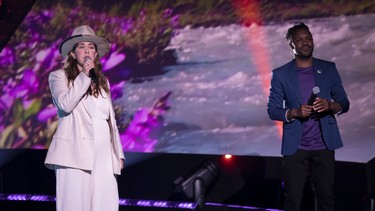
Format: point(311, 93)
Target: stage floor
point(243, 181)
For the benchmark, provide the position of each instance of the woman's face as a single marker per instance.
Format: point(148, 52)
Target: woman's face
point(82, 51)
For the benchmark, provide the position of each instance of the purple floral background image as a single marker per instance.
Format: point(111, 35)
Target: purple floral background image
point(28, 117)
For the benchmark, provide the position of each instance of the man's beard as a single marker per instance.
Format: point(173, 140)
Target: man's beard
point(305, 56)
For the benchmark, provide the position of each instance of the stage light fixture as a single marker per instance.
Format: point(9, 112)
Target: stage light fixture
point(198, 182)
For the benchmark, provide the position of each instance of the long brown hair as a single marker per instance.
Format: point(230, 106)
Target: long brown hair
point(71, 70)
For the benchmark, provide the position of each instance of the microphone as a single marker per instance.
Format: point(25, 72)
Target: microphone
point(314, 94)
point(92, 74)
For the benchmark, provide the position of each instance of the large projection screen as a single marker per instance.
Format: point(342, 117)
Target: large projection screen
point(190, 76)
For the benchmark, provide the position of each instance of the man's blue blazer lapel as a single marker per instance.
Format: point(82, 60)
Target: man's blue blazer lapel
point(292, 73)
point(318, 74)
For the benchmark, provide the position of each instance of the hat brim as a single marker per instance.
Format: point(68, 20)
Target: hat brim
point(67, 45)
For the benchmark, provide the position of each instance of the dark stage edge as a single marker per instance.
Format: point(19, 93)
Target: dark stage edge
point(28, 202)
point(253, 181)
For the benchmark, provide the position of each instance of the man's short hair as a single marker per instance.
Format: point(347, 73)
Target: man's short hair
point(292, 30)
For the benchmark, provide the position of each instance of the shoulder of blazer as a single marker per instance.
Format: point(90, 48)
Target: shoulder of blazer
point(286, 67)
point(326, 67)
point(317, 61)
point(58, 72)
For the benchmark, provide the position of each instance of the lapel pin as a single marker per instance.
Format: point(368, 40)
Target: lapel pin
point(319, 71)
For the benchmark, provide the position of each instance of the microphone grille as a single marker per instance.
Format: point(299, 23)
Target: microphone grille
point(316, 90)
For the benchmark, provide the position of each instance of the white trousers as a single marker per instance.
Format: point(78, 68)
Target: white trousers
point(78, 190)
point(73, 189)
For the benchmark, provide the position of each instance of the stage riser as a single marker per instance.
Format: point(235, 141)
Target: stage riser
point(244, 180)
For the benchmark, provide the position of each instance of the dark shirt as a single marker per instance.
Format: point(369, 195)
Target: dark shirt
point(311, 137)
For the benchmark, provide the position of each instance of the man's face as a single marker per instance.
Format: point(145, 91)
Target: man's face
point(302, 43)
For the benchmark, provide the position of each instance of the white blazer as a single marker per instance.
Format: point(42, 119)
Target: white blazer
point(73, 142)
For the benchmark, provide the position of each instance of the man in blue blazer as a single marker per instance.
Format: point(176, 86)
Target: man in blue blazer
point(305, 95)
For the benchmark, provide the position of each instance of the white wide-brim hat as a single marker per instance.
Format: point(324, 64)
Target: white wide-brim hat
point(84, 34)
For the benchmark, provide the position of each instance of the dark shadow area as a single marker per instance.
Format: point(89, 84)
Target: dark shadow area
point(244, 180)
point(12, 13)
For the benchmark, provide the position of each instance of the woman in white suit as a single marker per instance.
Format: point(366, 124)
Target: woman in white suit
point(85, 151)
